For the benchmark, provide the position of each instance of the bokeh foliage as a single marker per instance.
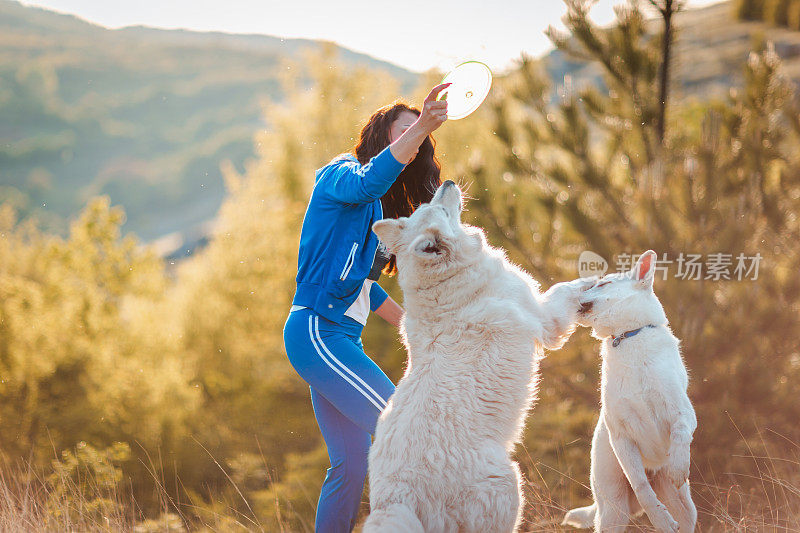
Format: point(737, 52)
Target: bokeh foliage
point(102, 342)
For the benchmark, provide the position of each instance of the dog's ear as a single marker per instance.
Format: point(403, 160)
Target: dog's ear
point(388, 231)
point(644, 271)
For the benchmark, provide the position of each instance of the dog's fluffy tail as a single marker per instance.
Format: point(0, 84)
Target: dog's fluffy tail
point(582, 517)
point(394, 518)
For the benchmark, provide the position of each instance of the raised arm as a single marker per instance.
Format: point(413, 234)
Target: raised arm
point(433, 115)
point(353, 183)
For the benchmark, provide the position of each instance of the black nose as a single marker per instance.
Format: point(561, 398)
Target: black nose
point(586, 307)
point(448, 183)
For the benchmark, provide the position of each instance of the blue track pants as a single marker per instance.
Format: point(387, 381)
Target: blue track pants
point(348, 393)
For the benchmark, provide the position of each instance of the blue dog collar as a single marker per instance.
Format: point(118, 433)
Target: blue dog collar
point(631, 333)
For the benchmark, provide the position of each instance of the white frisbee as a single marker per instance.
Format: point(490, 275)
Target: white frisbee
point(471, 82)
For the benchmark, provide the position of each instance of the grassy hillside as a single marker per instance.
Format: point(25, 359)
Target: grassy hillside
point(143, 115)
point(147, 116)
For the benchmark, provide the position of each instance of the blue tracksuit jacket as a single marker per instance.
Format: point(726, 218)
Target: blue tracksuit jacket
point(337, 245)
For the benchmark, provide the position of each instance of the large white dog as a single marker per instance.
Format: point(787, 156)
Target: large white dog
point(646, 419)
point(475, 326)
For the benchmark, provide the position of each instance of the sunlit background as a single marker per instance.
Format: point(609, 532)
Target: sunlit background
point(416, 35)
point(155, 163)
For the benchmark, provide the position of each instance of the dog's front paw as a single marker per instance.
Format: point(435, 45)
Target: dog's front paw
point(583, 284)
point(662, 520)
point(573, 290)
point(677, 467)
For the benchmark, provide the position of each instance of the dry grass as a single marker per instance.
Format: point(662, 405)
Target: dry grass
point(30, 502)
point(86, 492)
point(762, 495)
point(757, 491)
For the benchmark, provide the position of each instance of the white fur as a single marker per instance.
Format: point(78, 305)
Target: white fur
point(640, 449)
point(475, 326)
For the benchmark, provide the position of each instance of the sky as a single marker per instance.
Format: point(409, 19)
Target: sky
point(414, 34)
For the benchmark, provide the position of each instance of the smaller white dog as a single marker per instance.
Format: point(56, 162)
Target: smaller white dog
point(640, 449)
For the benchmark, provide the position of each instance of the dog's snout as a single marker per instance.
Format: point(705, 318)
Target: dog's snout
point(448, 183)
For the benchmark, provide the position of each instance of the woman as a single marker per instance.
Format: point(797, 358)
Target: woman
point(392, 171)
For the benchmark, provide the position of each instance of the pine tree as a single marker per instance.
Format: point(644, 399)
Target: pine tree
point(793, 15)
point(750, 9)
point(667, 10)
point(777, 12)
point(589, 173)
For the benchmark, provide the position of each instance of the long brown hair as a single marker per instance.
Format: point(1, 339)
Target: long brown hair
point(416, 184)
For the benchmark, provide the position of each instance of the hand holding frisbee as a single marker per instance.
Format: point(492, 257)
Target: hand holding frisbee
point(468, 86)
point(434, 112)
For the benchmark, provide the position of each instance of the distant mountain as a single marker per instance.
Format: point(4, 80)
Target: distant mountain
point(711, 49)
point(141, 114)
point(147, 115)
